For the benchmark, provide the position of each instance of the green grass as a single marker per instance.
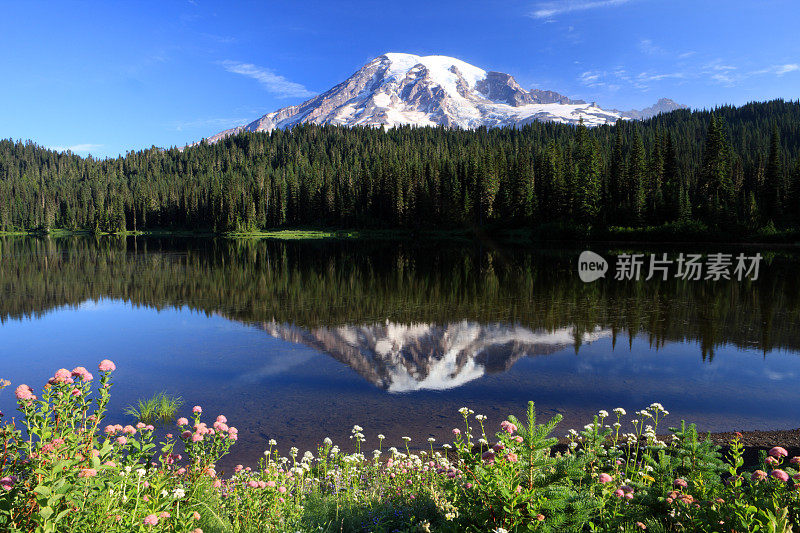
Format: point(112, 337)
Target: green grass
point(160, 408)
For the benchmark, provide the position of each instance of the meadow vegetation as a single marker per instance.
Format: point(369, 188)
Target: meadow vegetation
point(64, 467)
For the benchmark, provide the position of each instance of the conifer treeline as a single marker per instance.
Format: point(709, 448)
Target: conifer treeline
point(733, 167)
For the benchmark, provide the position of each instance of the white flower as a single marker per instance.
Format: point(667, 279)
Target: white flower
point(357, 428)
point(480, 417)
point(407, 439)
point(273, 442)
point(179, 493)
point(446, 446)
point(619, 411)
point(141, 472)
point(431, 440)
point(327, 441)
point(381, 436)
point(464, 411)
point(603, 413)
point(483, 441)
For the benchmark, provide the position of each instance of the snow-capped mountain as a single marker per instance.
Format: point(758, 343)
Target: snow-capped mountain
point(664, 105)
point(409, 357)
point(399, 89)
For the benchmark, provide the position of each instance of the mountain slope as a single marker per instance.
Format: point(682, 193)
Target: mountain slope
point(399, 89)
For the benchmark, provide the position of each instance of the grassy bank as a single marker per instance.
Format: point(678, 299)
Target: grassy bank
point(689, 232)
point(74, 471)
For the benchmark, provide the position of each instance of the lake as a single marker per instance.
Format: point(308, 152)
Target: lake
point(299, 340)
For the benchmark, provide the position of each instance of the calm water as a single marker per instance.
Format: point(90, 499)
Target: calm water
point(301, 340)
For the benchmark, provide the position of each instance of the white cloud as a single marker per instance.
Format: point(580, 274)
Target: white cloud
point(272, 82)
point(778, 70)
point(77, 148)
point(547, 10)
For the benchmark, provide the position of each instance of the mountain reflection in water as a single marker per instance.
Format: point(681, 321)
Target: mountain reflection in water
point(405, 358)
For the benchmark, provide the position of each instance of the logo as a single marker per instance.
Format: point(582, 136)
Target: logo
point(591, 266)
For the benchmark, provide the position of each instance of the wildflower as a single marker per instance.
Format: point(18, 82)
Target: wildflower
point(619, 411)
point(327, 441)
point(619, 493)
point(771, 461)
point(603, 413)
point(680, 482)
point(23, 392)
point(641, 525)
point(780, 475)
point(197, 410)
point(272, 442)
point(107, 365)
point(7, 483)
point(431, 440)
point(508, 427)
point(195, 516)
point(456, 431)
point(163, 514)
point(122, 441)
point(87, 472)
point(150, 520)
point(464, 411)
point(182, 422)
point(604, 478)
point(778, 452)
point(141, 472)
point(512, 457)
point(480, 418)
point(407, 439)
point(518, 439)
point(282, 489)
point(179, 493)
point(82, 373)
point(758, 475)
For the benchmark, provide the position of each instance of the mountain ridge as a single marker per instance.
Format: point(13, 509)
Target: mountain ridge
point(397, 89)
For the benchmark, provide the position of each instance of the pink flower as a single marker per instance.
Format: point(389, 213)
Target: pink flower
point(758, 475)
point(778, 452)
point(619, 493)
point(110, 429)
point(512, 457)
point(498, 447)
point(182, 422)
point(795, 460)
point(106, 365)
point(604, 478)
point(252, 484)
point(163, 514)
point(186, 434)
point(518, 439)
point(150, 520)
point(24, 392)
point(282, 489)
point(780, 475)
point(75, 392)
point(140, 425)
point(87, 472)
point(222, 420)
point(680, 482)
point(508, 427)
point(271, 484)
point(238, 468)
point(82, 373)
point(197, 409)
point(129, 430)
point(217, 483)
point(122, 441)
point(195, 516)
point(7, 483)
point(197, 437)
point(62, 375)
point(771, 461)
point(456, 431)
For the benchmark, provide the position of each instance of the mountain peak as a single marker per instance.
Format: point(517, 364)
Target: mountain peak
point(406, 89)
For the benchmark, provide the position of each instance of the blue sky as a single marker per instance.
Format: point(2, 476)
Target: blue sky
point(107, 77)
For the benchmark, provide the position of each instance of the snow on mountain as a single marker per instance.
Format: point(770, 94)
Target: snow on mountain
point(404, 89)
point(410, 357)
point(664, 105)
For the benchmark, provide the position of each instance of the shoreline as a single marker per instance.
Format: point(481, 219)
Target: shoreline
point(789, 239)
